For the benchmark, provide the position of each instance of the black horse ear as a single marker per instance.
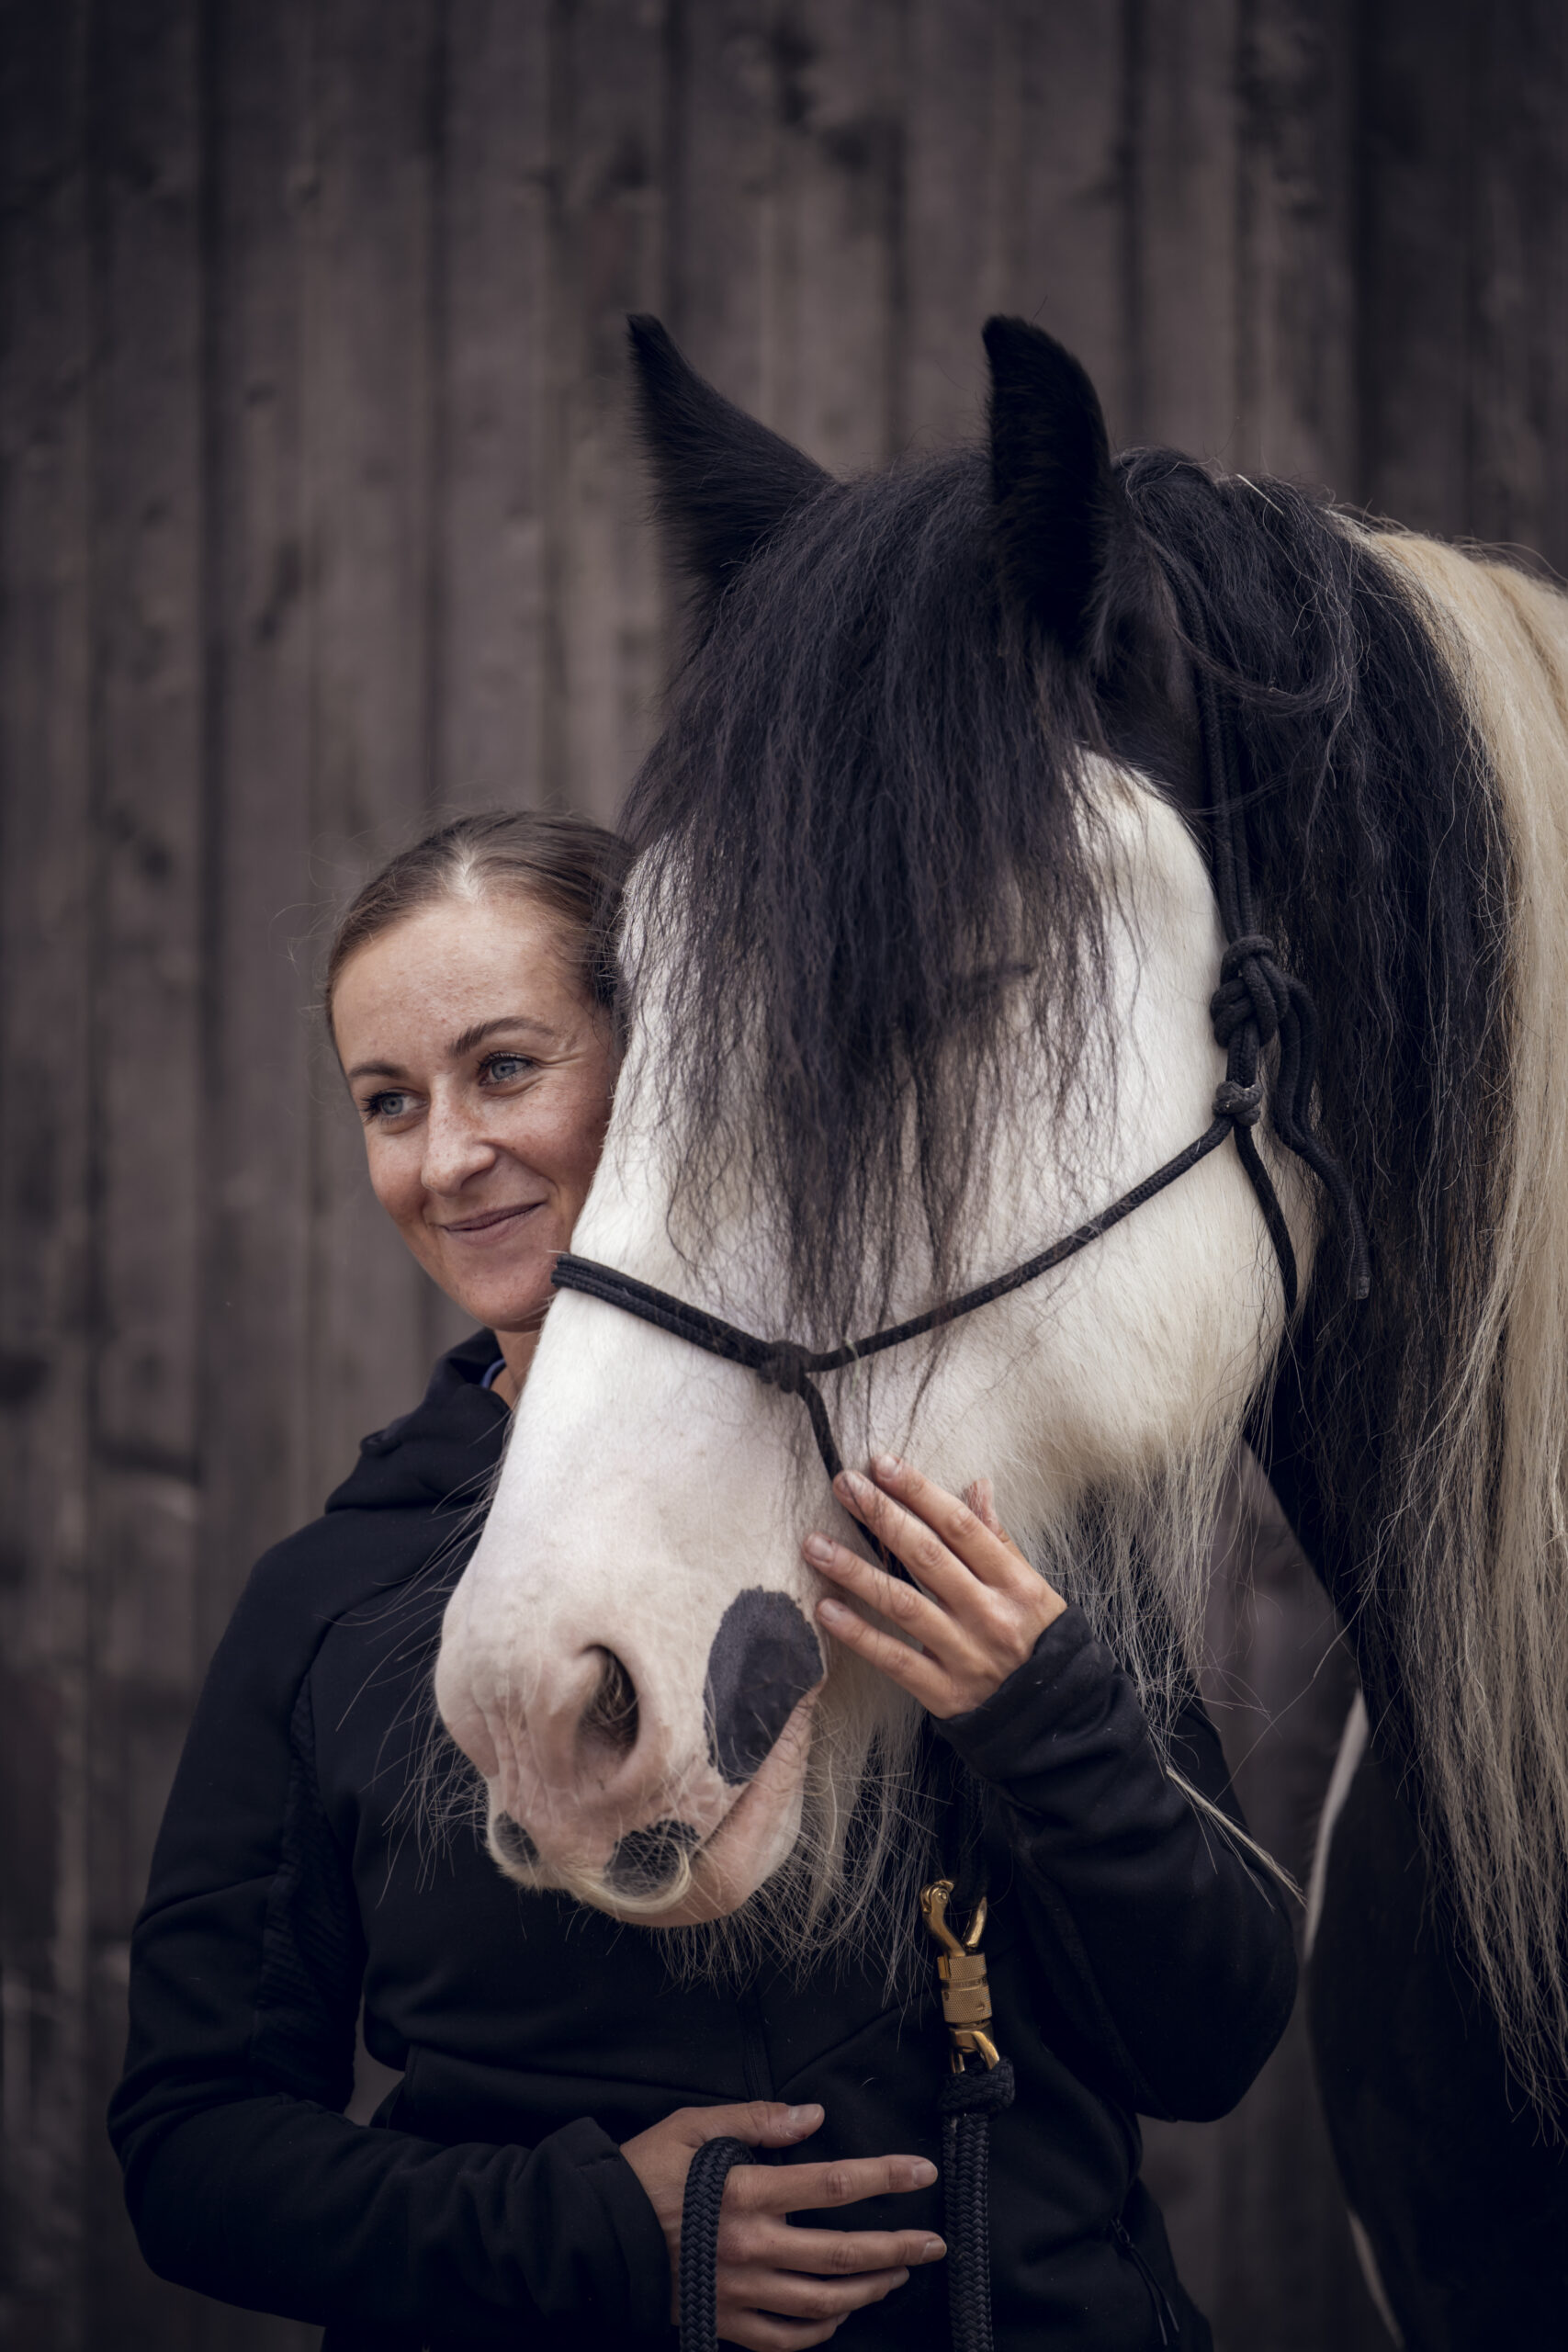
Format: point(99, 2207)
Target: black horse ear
point(1059, 511)
point(726, 484)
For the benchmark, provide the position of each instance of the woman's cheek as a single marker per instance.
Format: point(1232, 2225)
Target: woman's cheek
point(394, 1179)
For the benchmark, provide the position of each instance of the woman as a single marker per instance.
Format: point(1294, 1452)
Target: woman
point(523, 2182)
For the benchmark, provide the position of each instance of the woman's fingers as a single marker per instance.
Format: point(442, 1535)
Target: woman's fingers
point(909, 1538)
point(915, 1671)
point(904, 1605)
point(979, 1607)
point(760, 2122)
point(976, 1537)
point(795, 2188)
point(839, 2253)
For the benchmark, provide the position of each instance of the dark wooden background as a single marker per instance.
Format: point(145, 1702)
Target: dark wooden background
point(319, 514)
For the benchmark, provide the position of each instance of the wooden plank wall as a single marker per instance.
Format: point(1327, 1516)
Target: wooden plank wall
point(319, 514)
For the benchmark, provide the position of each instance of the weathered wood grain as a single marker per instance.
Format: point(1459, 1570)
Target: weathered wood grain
point(147, 961)
point(607, 132)
point(957, 187)
point(49, 904)
point(1295, 280)
point(1184, 136)
point(1066, 90)
point(729, 93)
point(1416, 67)
point(491, 564)
point(369, 443)
point(833, 283)
point(1517, 491)
point(258, 1468)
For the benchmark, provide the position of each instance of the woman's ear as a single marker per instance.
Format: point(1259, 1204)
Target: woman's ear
point(724, 483)
point(1061, 520)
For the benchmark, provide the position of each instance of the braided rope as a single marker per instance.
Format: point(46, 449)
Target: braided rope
point(710, 2168)
point(966, 2105)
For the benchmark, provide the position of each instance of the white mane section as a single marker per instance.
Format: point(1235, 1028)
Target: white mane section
point(1485, 1655)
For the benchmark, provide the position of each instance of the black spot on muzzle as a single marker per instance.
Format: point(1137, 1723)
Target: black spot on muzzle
point(764, 1659)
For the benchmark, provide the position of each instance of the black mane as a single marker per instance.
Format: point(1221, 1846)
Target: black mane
point(1376, 833)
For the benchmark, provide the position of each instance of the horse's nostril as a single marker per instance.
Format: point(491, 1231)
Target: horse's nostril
point(645, 1859)
point(764, 1659)
point(610, 1718)
point(513, 1842)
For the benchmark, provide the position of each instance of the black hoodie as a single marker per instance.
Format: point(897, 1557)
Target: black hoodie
point(1138, 1964)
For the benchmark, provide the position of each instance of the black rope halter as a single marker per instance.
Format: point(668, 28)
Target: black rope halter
point(1256, 1004)
point(794, 1370)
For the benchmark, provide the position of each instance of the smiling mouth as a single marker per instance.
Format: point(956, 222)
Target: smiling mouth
point(491, 1217)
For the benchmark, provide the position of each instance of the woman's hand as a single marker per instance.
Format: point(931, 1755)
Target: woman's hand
point(976, 1608)
point(781, 2288)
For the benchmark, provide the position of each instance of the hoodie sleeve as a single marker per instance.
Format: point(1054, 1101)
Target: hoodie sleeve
point(1159, 1954)
point(243, 2177)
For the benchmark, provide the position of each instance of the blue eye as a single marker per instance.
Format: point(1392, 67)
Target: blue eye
point(390, 1105)
point(503, 1069)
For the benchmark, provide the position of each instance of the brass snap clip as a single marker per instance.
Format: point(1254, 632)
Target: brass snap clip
point(961, 1967)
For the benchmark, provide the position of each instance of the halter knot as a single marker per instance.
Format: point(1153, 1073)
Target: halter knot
point(1252, 988)
point(1242, 1104)
point(786, 1366)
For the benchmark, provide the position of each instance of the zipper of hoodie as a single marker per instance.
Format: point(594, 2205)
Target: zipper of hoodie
point(1165, 2317)
point(755, 2066)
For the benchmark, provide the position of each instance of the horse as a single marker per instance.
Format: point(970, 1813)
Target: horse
point(1009, 805)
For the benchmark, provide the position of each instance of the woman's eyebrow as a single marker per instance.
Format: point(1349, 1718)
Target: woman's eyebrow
point(468, 1038)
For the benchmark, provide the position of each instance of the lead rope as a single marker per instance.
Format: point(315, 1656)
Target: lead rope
point(710, 2168)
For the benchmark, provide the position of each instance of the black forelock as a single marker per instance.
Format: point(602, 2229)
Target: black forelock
point(865, 810)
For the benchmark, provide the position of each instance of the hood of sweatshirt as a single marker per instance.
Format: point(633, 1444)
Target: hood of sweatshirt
point(448, 1450)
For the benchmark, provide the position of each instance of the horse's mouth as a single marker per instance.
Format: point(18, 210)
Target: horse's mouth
point(669, 1875)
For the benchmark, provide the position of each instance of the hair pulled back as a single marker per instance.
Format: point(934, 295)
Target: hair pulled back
point(568, 865)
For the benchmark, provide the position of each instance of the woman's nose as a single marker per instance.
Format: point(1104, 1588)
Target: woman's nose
point(456, 1147)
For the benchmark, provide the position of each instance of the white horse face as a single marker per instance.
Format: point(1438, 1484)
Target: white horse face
point(631, 1659)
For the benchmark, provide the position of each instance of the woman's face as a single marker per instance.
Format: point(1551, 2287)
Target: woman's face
point(482, 1076)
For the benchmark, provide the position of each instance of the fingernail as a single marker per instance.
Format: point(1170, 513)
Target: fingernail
point(818, 1548)
point(921, 2174)
point(799, 2118)
point(850, 1482)
point(932, 2251)
point(832, 1613)
point(886, 1465)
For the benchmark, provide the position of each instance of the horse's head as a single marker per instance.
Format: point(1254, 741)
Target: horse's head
point(919, 966)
